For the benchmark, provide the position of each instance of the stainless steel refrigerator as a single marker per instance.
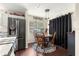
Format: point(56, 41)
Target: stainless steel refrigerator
point(16, 27)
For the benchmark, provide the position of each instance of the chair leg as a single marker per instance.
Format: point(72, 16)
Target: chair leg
point(43, 50)
point(36, 47)
point(36, 50)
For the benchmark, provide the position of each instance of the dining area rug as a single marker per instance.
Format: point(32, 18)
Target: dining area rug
point(48, 49)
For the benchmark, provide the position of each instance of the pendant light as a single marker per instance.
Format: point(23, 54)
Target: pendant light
point(47, 19)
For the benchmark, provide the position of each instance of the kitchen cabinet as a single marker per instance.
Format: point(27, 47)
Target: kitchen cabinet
point(7, 46)
point(3, 22)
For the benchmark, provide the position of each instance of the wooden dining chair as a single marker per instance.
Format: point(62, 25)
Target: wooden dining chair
point(39, 40)
point(53, 38)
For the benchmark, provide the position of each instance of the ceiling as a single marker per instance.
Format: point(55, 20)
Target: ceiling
point(38, 9)
point(14, 7)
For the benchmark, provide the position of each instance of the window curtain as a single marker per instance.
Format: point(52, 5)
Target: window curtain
point(61, 25)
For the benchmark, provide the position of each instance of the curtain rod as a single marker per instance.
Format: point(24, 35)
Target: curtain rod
point(72, 13)
point(64, 14)
point(68, 13)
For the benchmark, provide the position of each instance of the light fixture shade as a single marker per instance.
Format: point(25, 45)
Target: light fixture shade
point(47, 19)
point(47, 10)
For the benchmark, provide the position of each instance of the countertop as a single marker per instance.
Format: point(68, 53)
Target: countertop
point(6, 44)
point(4, 49)
point(7, 39)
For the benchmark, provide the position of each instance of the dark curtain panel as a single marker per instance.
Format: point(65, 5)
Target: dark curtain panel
point(61, 25)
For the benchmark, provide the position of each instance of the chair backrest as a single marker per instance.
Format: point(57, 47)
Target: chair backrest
point(53, 37)
point(39, 40)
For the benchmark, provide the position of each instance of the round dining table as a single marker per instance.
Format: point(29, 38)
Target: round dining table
point(47, 40)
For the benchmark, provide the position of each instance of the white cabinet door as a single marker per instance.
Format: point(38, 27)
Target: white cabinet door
point(3, 22)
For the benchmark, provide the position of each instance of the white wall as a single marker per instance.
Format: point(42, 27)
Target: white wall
point(28, 35)
point(27, 28)
point(76, 21)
